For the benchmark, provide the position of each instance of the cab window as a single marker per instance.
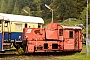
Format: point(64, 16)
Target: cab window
point(60, 32)
point(70, 34)
point(18, 26)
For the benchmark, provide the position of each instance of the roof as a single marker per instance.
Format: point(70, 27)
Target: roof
point(4, 18)
point(22, 18)
point(71, 27)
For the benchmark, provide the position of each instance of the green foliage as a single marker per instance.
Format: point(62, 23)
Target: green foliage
point(62, 9)
point(79, 5)
point(0, 4)
point(26, 8)
point(12, 47)
point(10, 6)
point(17, 8)
point(89, 28)
point(46, 22)
point(84, 47)
point(19, 51)
point(83, 14)
point(89, 12)
point(71, 23)
point(76, 56)
point(67, 9)
point(3, 6)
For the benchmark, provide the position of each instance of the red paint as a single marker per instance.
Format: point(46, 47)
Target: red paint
point(34, 33)
point(30, 48)
point(53, 38)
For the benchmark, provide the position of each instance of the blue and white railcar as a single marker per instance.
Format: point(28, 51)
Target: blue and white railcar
point(18, 22)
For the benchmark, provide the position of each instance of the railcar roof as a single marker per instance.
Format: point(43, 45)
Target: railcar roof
point(22, 18)
point(71, 27)
point(4, 18)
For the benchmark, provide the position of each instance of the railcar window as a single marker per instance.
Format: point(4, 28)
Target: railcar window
point(60, 32)
point(25, 25)
point(0, 22)
point(6, 23)
point(39, 26)
point(71, 34)
point(18, 26)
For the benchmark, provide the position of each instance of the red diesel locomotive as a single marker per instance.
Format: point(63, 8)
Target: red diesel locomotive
point(53, 38)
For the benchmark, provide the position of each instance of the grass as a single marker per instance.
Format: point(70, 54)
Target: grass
point(46, 22)
point(71, 23)
point(77, 56)
point(84, 47)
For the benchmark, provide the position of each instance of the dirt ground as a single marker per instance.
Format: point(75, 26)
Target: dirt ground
point(36, 57)
point(30, 57)
point(51, 56)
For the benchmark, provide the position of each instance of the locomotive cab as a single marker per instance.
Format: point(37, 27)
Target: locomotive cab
point(72, 38)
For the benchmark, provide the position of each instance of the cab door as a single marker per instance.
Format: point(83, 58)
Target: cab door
point(76, 40)
point(68, 39)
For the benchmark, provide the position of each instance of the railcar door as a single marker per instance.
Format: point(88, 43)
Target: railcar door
point(68, 39)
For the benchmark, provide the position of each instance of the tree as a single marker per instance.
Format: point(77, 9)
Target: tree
point(10, 6)
point(26, 8)
point(3, 6)
point(63, 9)
point(89, 12)
point(79, 5)
point(83, 14)
point(0, 4)
point(17, 8)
